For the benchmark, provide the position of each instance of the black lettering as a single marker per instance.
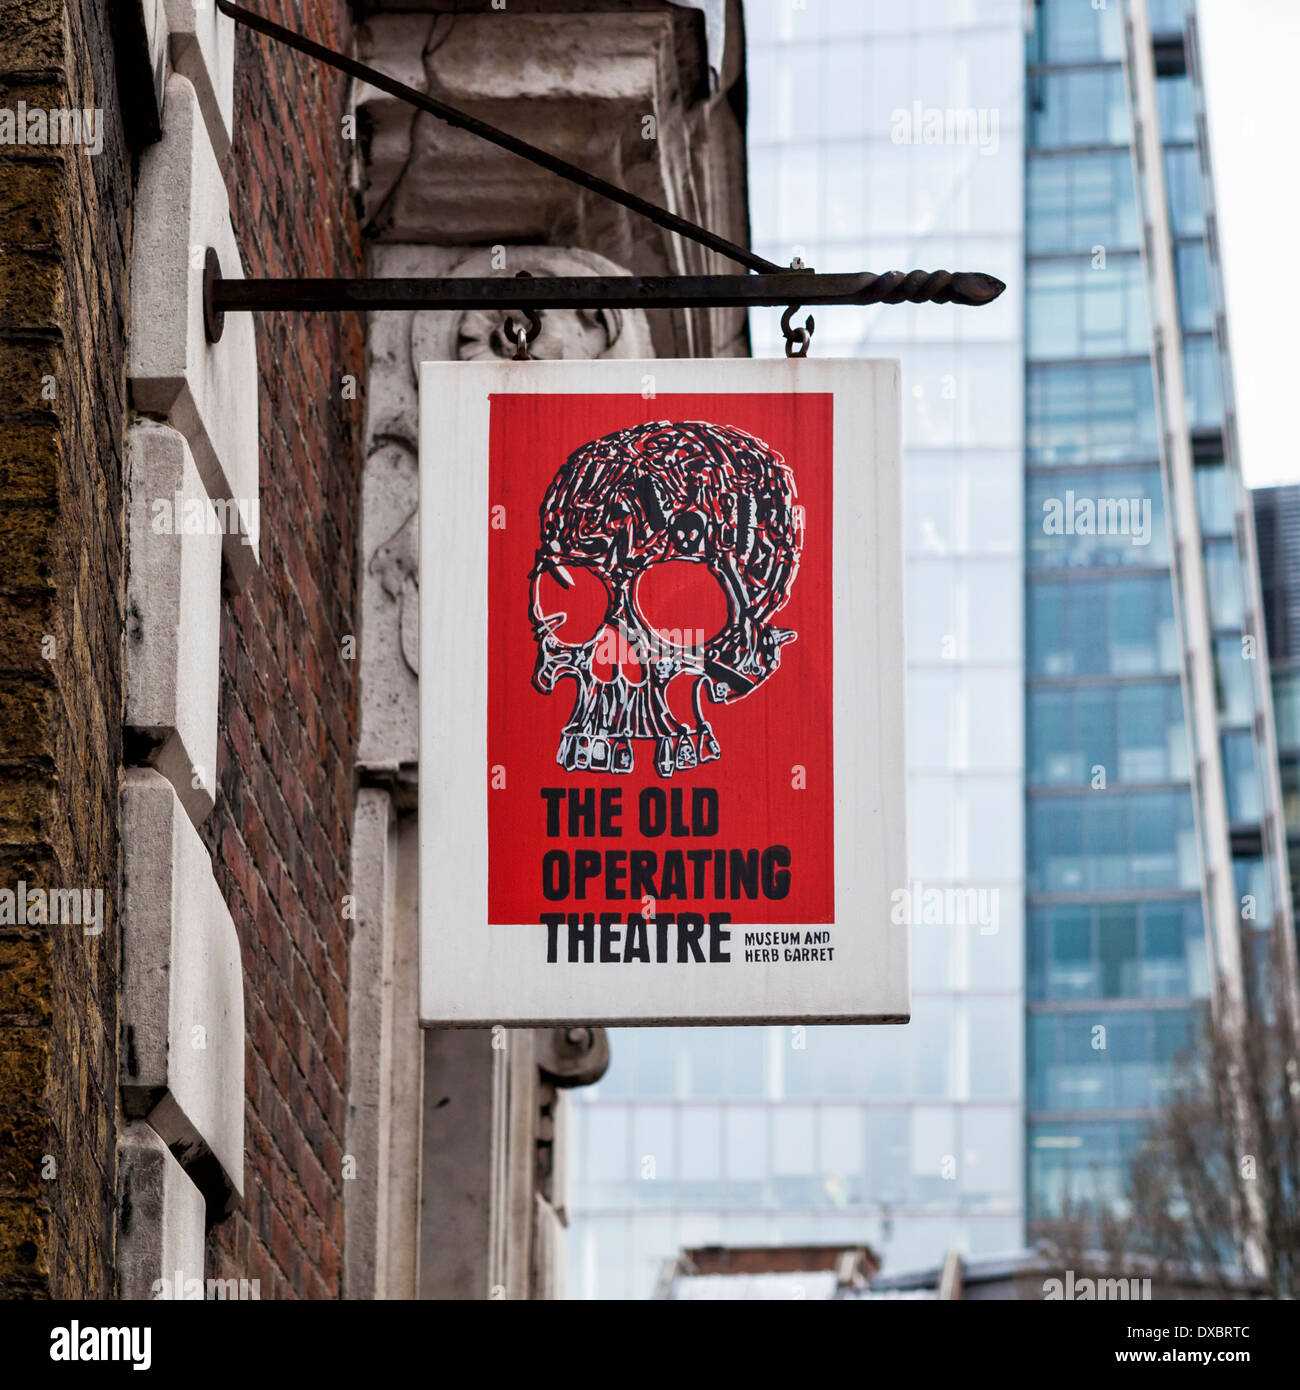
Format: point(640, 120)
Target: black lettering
point(744, 873)
point(718, 938)
point(662, 921)
point(699, 862)
point(611, 812)
point(690, 927)
point(704, 810)
point(652, 811)
point(609, 938)
point(552, 796)
point(615, 873)
point(555, 875)
point(586, 866)
point(581, 936)
point(582, 811)
point(636, 944)
point(776, 871)
point(674, 875)
point(643, 865)
point(551, 921)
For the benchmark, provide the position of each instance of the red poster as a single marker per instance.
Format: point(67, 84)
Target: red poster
point(660, 663)
point(661, 692)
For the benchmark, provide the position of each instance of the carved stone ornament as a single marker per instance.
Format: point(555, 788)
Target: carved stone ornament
point(565, 333)
point(568, 1057)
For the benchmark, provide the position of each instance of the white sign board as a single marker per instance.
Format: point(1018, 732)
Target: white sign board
point(661, 692)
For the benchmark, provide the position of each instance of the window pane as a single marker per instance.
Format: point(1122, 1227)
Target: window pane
point(1122, 627)
point(701, 1144)
point(1164, 963)
point(1193, 280)
point(1183, 191)
point(1174, 103)
point(1083, 309)
point(1084, 107)
point(1235, 688)
point(1076, 202)
point(841, 1155)
point(1214, 500)
point(1112, 841)
point(1067, 32)
point(1241, 776)
point(1201, 370)
point(1092, 413)
point(1072, 969)
point(746, 1143)
point(1286, 709)
point(993, 1043)
point(1118, 948)
point(1096, 518)
point(1223, 579)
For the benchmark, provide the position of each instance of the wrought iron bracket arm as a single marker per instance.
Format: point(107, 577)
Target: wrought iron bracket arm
point(772, 286)
point(222, 296)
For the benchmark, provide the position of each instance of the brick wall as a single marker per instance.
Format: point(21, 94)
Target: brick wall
point(63, 227)
point(280, 832)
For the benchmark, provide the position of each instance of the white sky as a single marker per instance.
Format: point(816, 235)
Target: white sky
point(1248, 50)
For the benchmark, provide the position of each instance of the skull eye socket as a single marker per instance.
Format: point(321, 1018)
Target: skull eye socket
point(581, 606)
point(682, 601)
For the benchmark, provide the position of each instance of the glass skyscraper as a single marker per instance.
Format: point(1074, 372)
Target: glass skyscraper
point(1089, 736)
point(1277, 526)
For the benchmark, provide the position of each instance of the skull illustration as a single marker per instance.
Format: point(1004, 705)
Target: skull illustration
point(705, 494)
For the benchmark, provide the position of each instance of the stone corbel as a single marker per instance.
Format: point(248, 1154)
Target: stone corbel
point(182, 993)
point(206, 391)
point(161, 1218)
point(174, 615)
point(203, 49)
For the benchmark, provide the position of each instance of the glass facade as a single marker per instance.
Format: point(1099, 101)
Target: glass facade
point(909, 1138)
point(1052, 763)
point(1118, 954)
point(1113, 907)
point(1277, 525)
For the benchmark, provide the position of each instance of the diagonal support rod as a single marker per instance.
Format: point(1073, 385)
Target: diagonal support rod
point(542, 158)
point(772, 286)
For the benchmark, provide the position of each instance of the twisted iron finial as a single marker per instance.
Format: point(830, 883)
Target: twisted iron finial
point(933, 287)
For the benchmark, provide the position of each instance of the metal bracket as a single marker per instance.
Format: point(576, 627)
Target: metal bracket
point(214, 319)
point(785, 288)
point(772, 286)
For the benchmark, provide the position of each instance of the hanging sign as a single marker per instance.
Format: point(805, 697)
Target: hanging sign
point(661, 692)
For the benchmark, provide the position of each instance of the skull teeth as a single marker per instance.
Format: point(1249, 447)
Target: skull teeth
point(594, 752)
point(685, 751)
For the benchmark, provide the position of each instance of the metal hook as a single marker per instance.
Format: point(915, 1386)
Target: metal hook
point(796, 339)
point(523, 336)
point(516, 331)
